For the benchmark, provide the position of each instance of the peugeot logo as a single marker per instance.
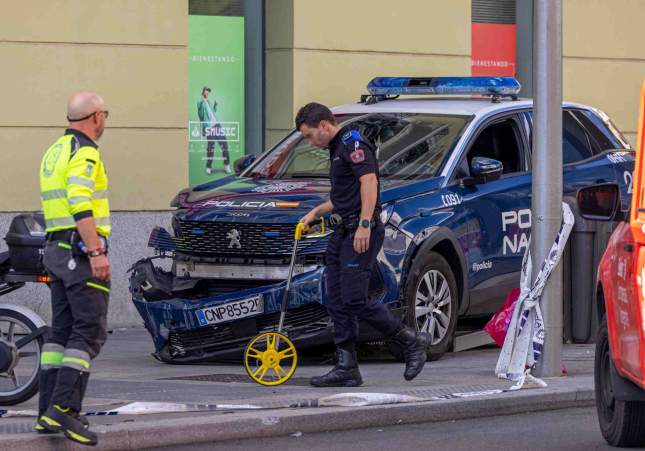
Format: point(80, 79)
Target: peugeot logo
point(234, 236)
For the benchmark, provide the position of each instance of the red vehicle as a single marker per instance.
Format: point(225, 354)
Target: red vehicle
point(620, 344)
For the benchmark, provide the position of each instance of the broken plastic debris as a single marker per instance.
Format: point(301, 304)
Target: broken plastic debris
point(365, 399)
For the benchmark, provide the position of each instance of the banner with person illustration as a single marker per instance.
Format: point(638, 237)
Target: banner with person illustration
point(215, 96)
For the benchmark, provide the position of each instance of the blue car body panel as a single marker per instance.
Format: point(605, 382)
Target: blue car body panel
point(486, 226)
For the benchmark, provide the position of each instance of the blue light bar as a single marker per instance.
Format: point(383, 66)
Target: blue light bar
point(496, 86)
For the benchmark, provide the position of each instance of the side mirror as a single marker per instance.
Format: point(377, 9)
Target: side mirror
point(486, 169)
point(242, 163)
point(599, 202)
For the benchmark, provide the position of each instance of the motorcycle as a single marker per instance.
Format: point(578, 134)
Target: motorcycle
point(22, 331)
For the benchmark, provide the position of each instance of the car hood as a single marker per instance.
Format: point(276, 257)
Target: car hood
point(265, 200)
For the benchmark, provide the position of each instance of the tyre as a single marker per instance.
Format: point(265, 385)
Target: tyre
point(431, 299)
point(19, 382)
point(622, 423)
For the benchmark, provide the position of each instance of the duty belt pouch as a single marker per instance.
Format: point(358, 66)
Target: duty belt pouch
point(63, 263)
point(78, 246)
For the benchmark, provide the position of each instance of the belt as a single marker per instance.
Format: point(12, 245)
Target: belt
point(351, 223)
point(61, 235)
point(72, 237)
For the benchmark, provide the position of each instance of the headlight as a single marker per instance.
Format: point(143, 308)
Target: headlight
point(386, 213)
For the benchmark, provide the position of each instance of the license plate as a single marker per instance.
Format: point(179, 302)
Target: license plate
point(231, 311)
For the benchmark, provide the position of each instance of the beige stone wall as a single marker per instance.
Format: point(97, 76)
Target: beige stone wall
point(604, 57)
point(336, 48)
point(134, 54)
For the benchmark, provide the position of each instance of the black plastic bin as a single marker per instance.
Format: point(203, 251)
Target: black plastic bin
point(26, 240)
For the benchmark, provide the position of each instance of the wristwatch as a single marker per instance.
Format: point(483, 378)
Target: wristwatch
point(365, 223)
point(96, 252)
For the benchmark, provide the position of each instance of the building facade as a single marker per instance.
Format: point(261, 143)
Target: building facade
point(135, 54)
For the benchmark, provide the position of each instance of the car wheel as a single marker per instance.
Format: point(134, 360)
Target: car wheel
point(431, 299)
point(622, 423)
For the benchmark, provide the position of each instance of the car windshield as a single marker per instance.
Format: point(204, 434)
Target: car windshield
point(408, 147)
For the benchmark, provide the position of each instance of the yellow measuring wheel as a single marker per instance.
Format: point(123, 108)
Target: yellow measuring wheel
point(271, 358)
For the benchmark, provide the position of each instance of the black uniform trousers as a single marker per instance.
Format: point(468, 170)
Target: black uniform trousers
point(348, 276)
point(79, 302)
point(79, 324)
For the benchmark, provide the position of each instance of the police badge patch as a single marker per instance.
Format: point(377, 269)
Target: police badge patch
point(88, 170)
point(357, 156)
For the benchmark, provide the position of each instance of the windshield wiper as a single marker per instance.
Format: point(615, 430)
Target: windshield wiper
point(305, 175)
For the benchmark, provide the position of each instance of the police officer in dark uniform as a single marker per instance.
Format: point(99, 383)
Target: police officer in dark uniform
point(352, 250)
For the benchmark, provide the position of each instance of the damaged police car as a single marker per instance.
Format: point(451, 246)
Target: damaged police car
point(456, 194)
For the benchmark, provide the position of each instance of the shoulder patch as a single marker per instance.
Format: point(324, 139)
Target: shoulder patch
point(357, 156)
point(351, 136)
point(75, 146)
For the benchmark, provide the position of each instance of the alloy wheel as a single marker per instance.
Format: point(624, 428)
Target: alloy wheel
point(433, 305)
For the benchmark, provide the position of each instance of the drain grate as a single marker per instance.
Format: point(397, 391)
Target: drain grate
point(227, 378)
point(17, 428)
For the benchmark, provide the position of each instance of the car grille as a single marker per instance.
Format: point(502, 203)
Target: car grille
point(255, 239)
point(310, 318)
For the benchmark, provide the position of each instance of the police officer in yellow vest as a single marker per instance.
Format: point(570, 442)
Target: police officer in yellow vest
point(73, 185)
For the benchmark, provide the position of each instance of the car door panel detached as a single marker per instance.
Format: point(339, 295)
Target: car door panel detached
point(497, 213)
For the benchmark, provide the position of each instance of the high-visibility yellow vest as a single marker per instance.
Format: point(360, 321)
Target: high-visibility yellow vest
point(73, 184)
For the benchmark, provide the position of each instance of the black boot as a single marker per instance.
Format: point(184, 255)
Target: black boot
point(46, 383)
point(415, 345)
point(344, 374)
point(67, 421)
point(63, 415)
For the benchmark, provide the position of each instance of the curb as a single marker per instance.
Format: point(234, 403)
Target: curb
point(268, 423)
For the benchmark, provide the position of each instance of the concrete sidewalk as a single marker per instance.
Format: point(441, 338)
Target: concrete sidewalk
point(459, 386)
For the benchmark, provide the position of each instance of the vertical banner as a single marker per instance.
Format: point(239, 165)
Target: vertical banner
point(493, 49)
point(215, 96)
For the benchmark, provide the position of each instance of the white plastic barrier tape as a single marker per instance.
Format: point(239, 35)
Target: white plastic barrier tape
point(338, 400)
point(525, 336)
point(365, 399)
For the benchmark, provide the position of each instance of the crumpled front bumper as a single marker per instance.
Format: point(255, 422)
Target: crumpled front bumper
point(179, 337)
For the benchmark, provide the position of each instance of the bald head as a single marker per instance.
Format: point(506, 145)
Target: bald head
point(83, 104)
point(83, 110)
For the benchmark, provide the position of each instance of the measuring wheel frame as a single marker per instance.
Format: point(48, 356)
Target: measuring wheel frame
point(263, 356)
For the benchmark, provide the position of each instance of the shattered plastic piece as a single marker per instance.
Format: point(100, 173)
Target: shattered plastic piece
point(365, 399)
point(527, 379)
point(270, 421)
point(525, 336)
point(474, 394)
point(142, 408)
point(17, 413)
point(296, 434)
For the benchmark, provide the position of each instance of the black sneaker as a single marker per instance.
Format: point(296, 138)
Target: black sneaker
point(38, 427)
point(75, 428)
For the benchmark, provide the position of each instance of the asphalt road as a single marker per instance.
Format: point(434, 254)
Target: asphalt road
point(570, 429)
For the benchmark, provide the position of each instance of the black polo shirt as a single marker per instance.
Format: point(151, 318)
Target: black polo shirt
point(351, 158)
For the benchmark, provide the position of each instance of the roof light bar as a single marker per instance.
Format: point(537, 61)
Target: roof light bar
point(495, 86)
